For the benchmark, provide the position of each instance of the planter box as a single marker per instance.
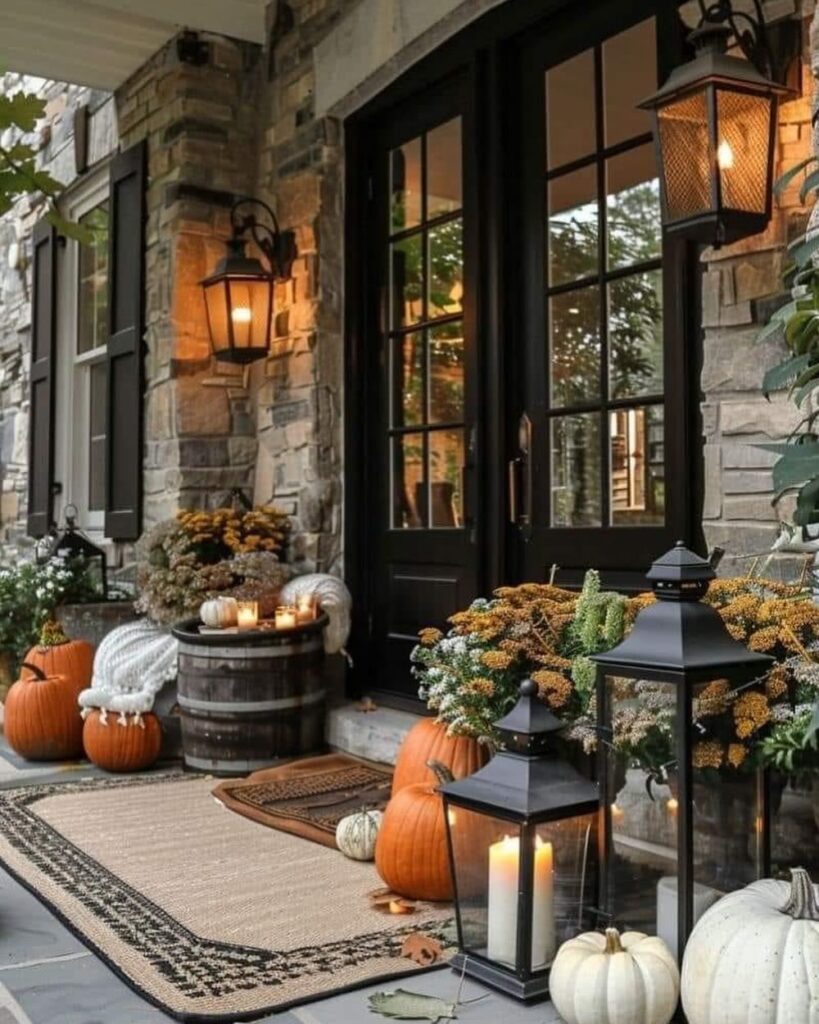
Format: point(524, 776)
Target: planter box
point(92, 622)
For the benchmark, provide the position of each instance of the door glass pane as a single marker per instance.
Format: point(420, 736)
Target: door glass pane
point(446, 373)
point(92, 323)
point(633, 208)
point(636, 335)
point(446, 460)
point(570, 110)
point(446, 263)
point(407, 380)
point(405, 186)
point(96, 449)
point(409, 506)
point(575, 447)
point(629, 77)
point(406, 281)
point(574, 332)
point(573, 226)
point(637, 466)
point(444, 186)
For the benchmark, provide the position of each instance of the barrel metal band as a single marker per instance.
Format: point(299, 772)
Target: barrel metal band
point(238, 767)
point(249, 707)
point(247, 653)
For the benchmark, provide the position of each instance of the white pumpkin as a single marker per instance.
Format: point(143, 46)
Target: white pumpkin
point(753, 958)
point(219, 612)
point(356, 834)
point(614, 979)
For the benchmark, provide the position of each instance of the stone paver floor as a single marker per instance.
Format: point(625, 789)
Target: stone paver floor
point(47, 976)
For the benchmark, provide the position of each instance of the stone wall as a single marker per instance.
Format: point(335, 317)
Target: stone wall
point(741, 288)
point(53, 139)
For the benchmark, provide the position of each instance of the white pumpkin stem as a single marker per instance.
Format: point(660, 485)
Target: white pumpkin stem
point(613, 943)
point(801, 903)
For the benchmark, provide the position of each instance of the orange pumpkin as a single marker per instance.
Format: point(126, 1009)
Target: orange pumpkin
point(428, 741)
point(119, 747)
point(57, 655)
point(411, 854)
point(42, 719)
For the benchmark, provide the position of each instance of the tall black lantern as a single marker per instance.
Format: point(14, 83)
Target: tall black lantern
point(73, 545)
point(714, 130)
point(682, 823)
point(239, 293)
point(523, 835)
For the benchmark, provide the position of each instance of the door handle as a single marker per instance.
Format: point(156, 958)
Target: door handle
point(519, 471)
point(512, 469)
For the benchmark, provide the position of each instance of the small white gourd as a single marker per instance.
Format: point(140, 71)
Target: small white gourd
point(614, 979)
point(753, 958)
point(356, 834)
point(219, 612)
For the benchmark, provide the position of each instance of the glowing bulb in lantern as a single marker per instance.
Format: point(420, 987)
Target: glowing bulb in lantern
point(725, 155)
point(241, 315)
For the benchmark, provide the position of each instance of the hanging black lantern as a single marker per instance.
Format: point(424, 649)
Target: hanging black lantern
point(523, 835)
point(714, 131)
point(681, 825)
point(73, 546)
point(239, 293)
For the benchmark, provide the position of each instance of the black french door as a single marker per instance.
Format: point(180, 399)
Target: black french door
point(522, 357)
point(600, 423)
point(422, 424)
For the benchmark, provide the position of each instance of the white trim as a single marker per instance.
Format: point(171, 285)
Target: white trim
point(72, 389)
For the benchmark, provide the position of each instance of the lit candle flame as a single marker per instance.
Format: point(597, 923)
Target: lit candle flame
point(241, 315)
point(725, 155)
point(672, 805)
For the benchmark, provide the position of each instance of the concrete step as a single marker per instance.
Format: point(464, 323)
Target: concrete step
point(374, 735)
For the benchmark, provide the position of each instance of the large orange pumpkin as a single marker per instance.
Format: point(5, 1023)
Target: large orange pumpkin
point(411, 854)
point(57, 655)
point(42, 720)
point(119, 747)
point(428, 741)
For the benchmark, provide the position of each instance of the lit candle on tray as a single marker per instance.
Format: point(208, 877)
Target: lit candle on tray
point(504, 866)
point(306, 608)
point(286, 617)
point(247, 614)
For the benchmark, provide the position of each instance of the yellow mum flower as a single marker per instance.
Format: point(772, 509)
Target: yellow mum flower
point(776, 685)
point(430, 636)
point(751, 712)
point(764, 639)
point(497, 660)
point(482, 686)
point(707, 754)
point(736, 754)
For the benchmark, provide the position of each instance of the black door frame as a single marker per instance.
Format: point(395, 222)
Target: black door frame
point(485, 52)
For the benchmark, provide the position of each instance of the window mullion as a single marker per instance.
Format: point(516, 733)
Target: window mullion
point(605, 495)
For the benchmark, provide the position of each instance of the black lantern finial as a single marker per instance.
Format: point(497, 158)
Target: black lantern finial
point(239, 293)
point(714, 130)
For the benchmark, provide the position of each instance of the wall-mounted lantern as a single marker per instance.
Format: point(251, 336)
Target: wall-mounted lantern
point(714, 131)
point(523, 834)
point(239, 293)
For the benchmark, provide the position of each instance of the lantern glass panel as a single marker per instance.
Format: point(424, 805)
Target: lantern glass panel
point(216, 306)
point(687, 155)
point(743, 131)
point(642, 799)
point(794, 823)
point(249, 303)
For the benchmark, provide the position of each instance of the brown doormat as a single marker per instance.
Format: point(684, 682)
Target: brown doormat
point(203, 913)
point(310, 797)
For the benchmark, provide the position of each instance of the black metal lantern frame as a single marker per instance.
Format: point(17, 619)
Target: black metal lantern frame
point(239, 294)
point(683, 643)
point(72, 544)
point(522, 836)
point(714, 130)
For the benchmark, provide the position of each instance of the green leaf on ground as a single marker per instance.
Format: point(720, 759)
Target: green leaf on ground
point(403, 1005)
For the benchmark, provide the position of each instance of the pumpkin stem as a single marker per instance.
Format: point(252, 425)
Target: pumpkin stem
point(801, 903)
point(613, 943)
point(441, 772)
point(35, 670)
point(52, 635)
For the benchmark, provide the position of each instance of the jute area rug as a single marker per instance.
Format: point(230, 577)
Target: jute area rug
point(309, 797)
point(205, 914)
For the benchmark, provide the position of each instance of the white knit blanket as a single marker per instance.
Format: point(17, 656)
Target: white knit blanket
point(131, 666)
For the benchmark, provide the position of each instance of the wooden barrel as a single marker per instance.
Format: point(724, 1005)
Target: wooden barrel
point(246, 699)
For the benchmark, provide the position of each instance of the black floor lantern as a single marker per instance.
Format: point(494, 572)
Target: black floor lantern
point(73, 545)
point(682, 828)
point(523, 835)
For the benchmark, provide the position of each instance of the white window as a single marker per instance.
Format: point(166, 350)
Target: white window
point(82, 334)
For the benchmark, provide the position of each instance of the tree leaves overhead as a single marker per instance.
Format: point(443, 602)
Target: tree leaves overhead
point(404, 1005)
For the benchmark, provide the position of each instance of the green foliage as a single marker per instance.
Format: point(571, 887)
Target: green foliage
point(19, 174)
point(792, 748)
point(797, 468)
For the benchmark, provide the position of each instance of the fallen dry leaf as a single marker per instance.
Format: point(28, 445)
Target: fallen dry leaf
point(366, 704)
point(401, 906)
point(423, 949)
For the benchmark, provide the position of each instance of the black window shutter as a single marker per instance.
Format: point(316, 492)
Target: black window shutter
point(41, 395)
point(123, 452)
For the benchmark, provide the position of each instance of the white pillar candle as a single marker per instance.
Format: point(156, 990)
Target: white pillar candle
point(306, 608)
point(285, 617)
point(247, 614)
point(502, 925)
